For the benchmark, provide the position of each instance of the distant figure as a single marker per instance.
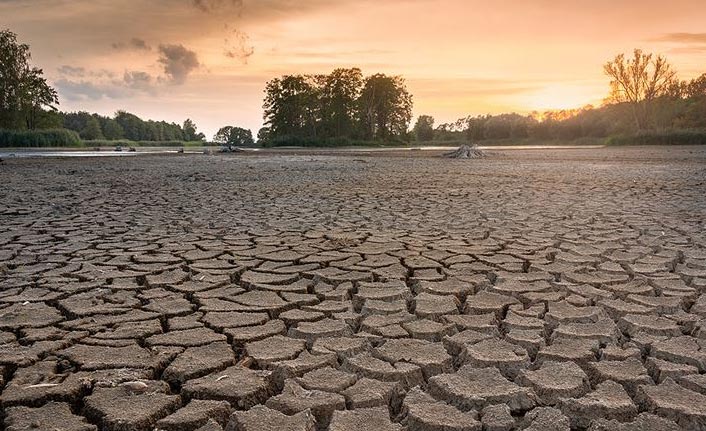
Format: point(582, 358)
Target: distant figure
point(131, 149)
point(118, 148)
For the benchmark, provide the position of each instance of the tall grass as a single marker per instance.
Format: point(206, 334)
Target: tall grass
point(39, 138)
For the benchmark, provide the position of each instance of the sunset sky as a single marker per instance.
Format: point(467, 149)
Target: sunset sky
point(209, 59)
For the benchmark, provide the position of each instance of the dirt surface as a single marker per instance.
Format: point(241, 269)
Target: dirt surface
point(294, 290)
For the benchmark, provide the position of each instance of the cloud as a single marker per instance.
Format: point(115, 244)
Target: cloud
point(682, 38)
point(238, 46)
point(88, 90)
point(135, 43)
point(213, 5)
point(137, 80)
point(178, 62)
point(67, 70)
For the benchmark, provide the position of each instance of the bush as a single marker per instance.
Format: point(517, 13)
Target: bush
point(39, 138)
point(663, 137)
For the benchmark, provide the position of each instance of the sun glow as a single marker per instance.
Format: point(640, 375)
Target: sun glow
point(559, 96)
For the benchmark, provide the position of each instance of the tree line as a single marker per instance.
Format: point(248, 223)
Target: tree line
point(644, 96)
point(342, 105)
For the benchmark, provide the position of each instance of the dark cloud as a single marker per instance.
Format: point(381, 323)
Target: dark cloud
point(238, 46)
point(135, 43)
point(178, 62)
point(138, 80)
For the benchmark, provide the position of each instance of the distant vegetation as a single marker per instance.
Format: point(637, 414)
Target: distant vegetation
point(341, 107)
point(646, 104)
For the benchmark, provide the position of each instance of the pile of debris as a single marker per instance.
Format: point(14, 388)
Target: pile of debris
point(230, 149)
point(466, 152)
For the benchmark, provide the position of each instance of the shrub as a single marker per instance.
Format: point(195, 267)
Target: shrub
point(662, 137)
point(39, 138)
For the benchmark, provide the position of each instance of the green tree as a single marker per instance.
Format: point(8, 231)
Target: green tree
point(424, 128)
point(112, 129)
point(190, 133)
point(384, 107)
point(23, 89)
point(236, 136)
point(92, 130)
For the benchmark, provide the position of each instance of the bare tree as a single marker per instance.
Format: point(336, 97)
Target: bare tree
point(638, 81)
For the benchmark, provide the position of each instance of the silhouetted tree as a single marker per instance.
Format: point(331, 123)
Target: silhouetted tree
point(237, 136)
point(384, 107)
point(639, 81)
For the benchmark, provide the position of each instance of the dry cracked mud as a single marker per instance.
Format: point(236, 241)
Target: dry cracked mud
point(323, 290)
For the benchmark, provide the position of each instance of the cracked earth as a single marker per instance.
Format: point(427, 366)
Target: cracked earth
point(531, 290)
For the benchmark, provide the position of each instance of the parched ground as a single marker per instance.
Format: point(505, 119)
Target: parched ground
point(539, 290)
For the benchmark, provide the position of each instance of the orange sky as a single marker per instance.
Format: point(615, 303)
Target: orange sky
point(209, 59)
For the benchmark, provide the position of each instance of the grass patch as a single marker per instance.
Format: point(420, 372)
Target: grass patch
point(39, 138)
point(662, 137)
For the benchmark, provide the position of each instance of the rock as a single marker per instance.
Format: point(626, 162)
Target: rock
point(674, 402)
point(295, 399)
point(50, 417)
point(125, 409)
point(474, 388)
point(555, 380)
point(194, 415)
point(365, 419)
point(241, 387)
point(609, 401)
point(261, 418)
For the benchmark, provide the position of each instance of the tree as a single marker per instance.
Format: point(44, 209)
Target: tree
point(190, 133)
point(338, 95)
point(384, 107)
point(92, 130)
point(638, 82)
point(696, 87)
point(111, 129)
point(23, 89)
point(291, 106)
point(424, 128)
point(236, 136)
